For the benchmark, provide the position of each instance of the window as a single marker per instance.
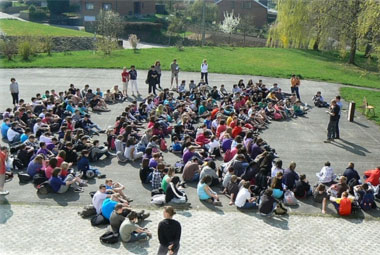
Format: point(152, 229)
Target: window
point(89, 6)
point(247, 5)
point(107, 7)
point(89, 18)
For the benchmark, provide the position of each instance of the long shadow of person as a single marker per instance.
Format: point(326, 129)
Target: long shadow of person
point(5, 210)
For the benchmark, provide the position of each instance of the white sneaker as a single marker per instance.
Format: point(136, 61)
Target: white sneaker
point(4, 192)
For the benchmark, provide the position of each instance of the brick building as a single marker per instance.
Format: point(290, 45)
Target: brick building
point(257, 10)
point(89, 9)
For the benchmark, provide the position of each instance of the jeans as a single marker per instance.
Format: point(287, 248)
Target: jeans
point(64, 188)
point(248, 205)
point(331, 129)
point(2, 181)
point(205, 75)
point(137, 236)
point(152, 87)
point(296, 90)
point(163, 250)
point(149, 178)
point(337, 127)
point(178, 200)
point(14, 98)
point(195, 178)
point(95, 126)
point(134, 86)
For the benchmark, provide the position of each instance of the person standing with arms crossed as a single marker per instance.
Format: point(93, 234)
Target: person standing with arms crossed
point(169, 233)
point(331, 128)
point(175, 70)
point(295, 83)
point(152, 80)
point(204, 71)
point(133, 79)
point(157, 67)
point(13, 87)
point(340, 104)
point(125, 80)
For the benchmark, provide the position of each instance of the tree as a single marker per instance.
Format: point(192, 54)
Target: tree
point(229, 24)
point(246, 26)
point(316, 23)
point(7, 48)
point(58, 6)
point(177, 25)
point(109, 25)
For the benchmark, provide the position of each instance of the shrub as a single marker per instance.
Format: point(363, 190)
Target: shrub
point(7, 48)
point(25, 49)
point(37, 14)
point(47, 45)
point(133, 41)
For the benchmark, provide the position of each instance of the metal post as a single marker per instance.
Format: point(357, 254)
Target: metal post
point(351, 111)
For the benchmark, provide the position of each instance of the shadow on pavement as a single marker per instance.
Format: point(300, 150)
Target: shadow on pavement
point(277, 221)
point(137, 247)
point(5, 210)
point(212, 207)
point(351, 147)
point(61, 199)
point(360, 124)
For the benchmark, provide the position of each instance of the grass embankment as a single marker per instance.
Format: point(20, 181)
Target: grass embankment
point(357, 95)
point(252, 61)
point(13, 27)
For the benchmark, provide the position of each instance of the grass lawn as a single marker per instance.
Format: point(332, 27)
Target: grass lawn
point(357, 95)
point(252, 61)
point(22, 28)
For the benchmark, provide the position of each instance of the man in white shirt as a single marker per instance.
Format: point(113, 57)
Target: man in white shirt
point(244, 199)
point(99, 197)
point(326, 176)
point(12, 135)
point(204, 71)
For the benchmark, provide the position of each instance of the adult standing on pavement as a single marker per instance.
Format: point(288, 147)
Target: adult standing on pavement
point(175, 70)
point(157, 67)
point(340, 104)
point(331, 128)
point(169, 233)
point(204, 71)
point(13, 87)
point(3, 158)
point(133, 79)
point(152, 80)
point(295, 83)
point(125, 80)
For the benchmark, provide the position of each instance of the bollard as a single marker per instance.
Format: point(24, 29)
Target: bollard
point(351, 111)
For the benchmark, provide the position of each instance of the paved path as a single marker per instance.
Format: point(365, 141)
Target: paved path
point(300, 139)
point(55, 230)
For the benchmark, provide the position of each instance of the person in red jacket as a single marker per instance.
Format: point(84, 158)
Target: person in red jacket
point(373, 176)
point(343, 205)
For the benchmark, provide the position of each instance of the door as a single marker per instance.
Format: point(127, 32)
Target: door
point(137, 8)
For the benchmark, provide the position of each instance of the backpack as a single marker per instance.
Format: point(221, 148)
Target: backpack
point(109, 237)
point(90, 174)
point(367, 201)
point(163, 145)
point(158, 199)
point(88, 211)
point(352, 183)
point(44, 188)
point(24, 178)
point(39, 178)
point(228, 156)
point(99, 220)
point(157, 192)
point(280, 209)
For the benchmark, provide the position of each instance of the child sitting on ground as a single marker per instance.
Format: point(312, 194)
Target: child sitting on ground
point(176, 146)
point(319, 100)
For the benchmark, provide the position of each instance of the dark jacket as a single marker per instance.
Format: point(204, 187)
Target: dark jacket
point(169, 232)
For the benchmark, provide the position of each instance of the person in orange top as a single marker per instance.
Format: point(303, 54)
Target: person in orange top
point(343, 205)
point(295, 83)
point(221, 128)
point(373, 176)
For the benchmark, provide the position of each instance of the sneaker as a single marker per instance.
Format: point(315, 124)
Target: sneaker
point(144, 239)
point(144, 216)
point(129, 200)
point(102, 131)
point(102, 176)
point(327, 141)
point(4, 192)
point(83, 184)
point(217, 203)
point(78, 190)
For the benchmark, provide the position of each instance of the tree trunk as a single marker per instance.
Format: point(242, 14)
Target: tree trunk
point(351, 60)
point(368, 49)
point(316, 44)
point(244, 39)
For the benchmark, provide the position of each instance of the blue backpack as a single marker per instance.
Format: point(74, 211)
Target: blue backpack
point(368, 201)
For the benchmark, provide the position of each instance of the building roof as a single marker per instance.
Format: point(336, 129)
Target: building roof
point(256, 1)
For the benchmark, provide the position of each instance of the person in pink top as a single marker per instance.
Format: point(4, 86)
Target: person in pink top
point(49, 169)
point(125, 80)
